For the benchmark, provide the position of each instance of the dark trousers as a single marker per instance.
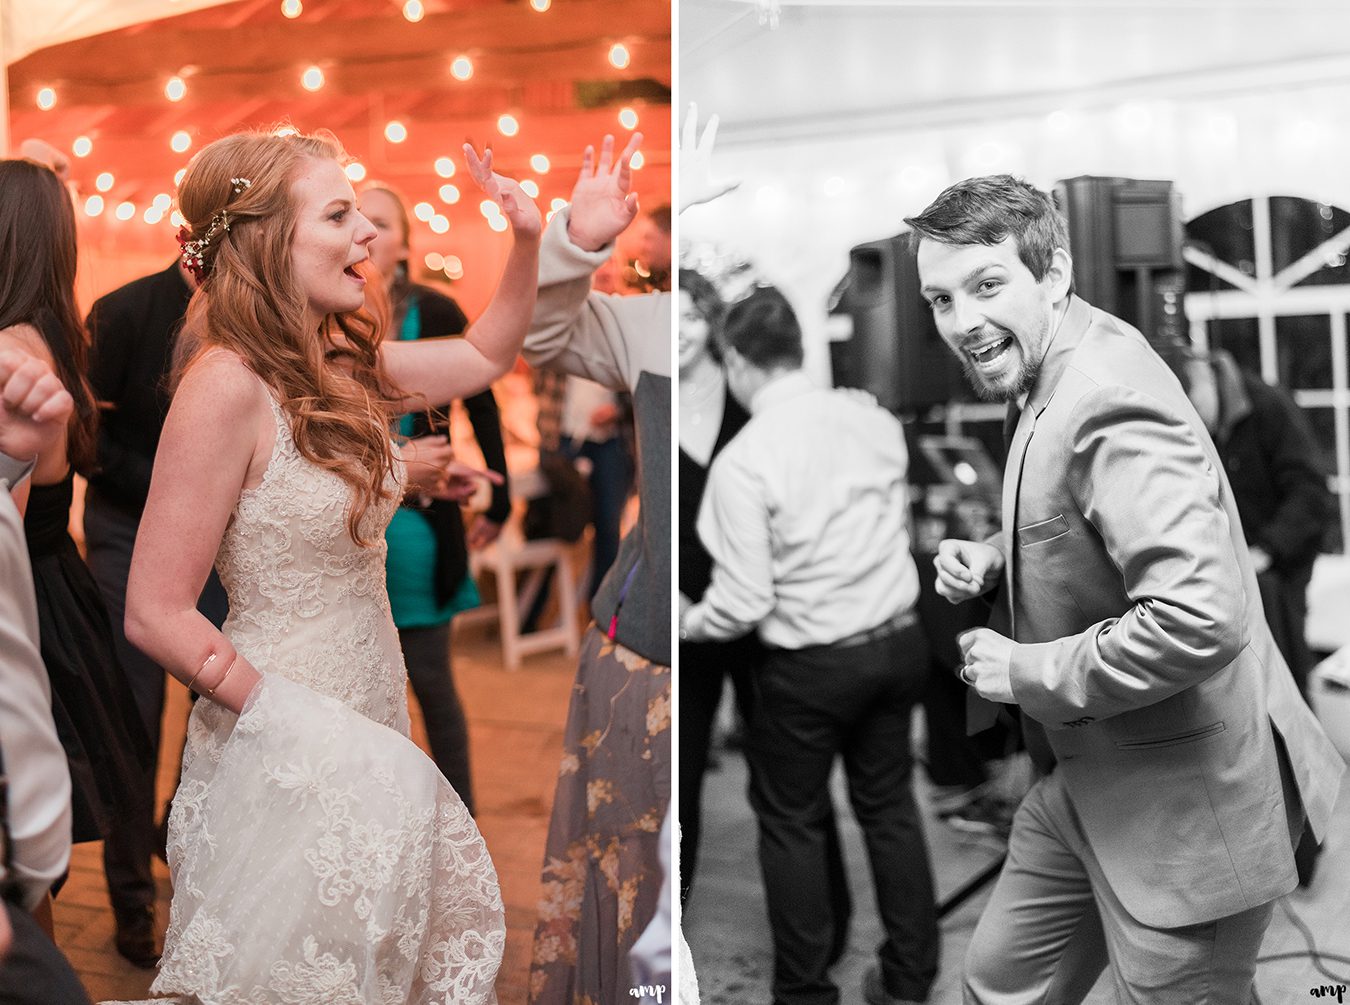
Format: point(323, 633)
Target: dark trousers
point(704, 669)
point(426, 651)
point(814, 704)
point(610, 478)
point(34, 972)
point(110, 534)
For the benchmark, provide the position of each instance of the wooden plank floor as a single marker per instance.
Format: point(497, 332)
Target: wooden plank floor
point(728, 934)
point(515, 723)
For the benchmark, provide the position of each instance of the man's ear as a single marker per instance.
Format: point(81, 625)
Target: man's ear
point(1059, 276)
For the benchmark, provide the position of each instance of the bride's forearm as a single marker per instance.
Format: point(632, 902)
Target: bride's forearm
point(500, 330)
point(193, 651)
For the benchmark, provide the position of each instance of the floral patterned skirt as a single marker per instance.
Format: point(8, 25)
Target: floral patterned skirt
point(602, 871)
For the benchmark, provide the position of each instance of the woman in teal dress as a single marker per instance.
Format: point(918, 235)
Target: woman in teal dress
point(427, 566)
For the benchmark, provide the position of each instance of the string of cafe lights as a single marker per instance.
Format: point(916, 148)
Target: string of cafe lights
point(313, 78)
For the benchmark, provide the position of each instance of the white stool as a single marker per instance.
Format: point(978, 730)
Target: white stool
point(509, 556)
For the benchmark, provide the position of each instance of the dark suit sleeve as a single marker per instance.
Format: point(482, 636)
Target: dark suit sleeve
point(1294, 530)
point(487, 430)
point(1143, 480)
point(122, 471)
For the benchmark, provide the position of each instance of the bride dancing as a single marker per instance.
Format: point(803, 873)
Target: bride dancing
point(318, 857)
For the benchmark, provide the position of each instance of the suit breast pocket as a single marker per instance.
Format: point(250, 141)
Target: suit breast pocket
point(1042, 531)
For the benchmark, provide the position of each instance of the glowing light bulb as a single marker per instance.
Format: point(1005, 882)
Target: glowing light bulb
point(449, 194)
point(461, 68)
point(438, 224)
point(46, 98)
point(541, 5)
point(82, 147)
point(153, 215)
point(619, 57)
point(557, 204)
point(93, 206)
point(414, 11)
point(540, 164)
point(489, 209)
point(162, 202)
point(286, 131)
point(424, 211)
point(178, 176)
point(177, 219)
point(498, 223)
point(356, 171)
point(445, 167)
point(454, 267)
point(104, 181)
point(125, 210)
point(435, 261)
point(507, 125)
point(638, 160)
point(175, 89)
point(312, 78)
point(291, 8)
point(180, 141)
point(628, 118)
point(395, 132)
point(529, 187)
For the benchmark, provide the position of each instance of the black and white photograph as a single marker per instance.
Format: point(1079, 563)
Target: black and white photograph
point(1014, 491)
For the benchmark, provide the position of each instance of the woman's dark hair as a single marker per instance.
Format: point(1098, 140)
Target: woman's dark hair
point(37, 286)
point(708, 302)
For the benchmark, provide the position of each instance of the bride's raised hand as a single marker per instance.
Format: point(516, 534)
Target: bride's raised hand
point(516, 205)
point(602, 203)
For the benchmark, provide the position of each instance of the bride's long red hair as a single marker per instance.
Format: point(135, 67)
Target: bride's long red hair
point(331, 382)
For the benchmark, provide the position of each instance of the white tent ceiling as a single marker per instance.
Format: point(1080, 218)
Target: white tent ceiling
point(835, 68)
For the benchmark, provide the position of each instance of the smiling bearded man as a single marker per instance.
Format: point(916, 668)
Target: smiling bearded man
point(1185, 764)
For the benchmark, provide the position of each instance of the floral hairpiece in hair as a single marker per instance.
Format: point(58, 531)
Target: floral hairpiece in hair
point(194, 248)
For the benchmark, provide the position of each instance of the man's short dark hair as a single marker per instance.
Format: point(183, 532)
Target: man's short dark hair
point(764, 330)
point(990, 209)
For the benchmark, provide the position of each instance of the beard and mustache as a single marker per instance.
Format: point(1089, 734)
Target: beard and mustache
point(1011, 385)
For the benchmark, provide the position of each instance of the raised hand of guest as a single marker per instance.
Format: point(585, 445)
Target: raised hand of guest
point(602, 203)
point(518, 207)
point(966, 569)
point(697, 184)
point(34, 405)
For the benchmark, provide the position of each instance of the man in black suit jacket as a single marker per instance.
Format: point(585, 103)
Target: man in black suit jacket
point(133, 330)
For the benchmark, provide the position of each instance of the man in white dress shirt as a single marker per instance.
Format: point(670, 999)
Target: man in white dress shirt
point(805, 519)
point(35, 841)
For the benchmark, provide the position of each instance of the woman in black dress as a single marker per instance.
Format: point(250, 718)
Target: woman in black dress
point(92, 704)
point(709, 418)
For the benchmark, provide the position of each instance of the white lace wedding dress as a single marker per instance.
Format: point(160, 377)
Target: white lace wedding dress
point(318, 856)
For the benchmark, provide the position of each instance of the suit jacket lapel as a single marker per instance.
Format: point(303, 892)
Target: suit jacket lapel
point(1063, 343)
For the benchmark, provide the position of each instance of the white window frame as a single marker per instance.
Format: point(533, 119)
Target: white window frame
point(1269, 295)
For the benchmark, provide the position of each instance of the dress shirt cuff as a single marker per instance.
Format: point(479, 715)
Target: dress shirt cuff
point(13, 470)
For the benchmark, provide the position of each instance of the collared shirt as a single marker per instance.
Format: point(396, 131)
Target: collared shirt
point(35, 762)
point(805, 518)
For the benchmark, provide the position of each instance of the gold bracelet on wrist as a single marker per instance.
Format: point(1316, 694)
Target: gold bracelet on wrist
point(211, 691)
point(209, 660)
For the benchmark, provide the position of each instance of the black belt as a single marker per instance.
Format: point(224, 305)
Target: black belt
point(895, 623)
